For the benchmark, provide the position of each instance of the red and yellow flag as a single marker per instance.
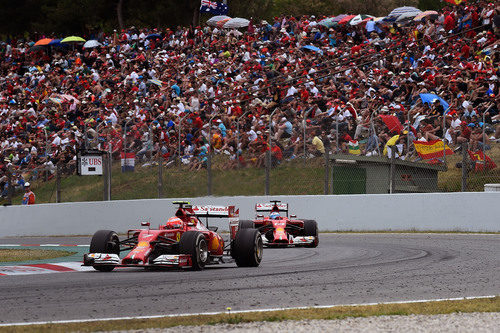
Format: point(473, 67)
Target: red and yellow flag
point(455, 2)
point(431, 149)
point(482, 161)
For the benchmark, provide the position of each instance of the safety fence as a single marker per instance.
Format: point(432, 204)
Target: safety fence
point(332, 173)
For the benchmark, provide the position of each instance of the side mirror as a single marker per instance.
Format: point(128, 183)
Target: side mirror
point(145, 224)
point(293, 216)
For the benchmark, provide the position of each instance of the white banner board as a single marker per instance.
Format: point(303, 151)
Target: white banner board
point(90, 165)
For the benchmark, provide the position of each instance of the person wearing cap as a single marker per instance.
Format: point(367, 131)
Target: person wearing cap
point(29, 196)
point(285, 129)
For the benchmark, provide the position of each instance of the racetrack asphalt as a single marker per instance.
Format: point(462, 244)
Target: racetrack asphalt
point(343, 269)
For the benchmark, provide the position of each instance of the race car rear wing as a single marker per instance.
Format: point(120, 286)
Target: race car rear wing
point(267, 207)
point(215, 211)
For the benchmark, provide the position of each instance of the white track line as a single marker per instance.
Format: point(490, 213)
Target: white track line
point(239, 311)
point(40, 245)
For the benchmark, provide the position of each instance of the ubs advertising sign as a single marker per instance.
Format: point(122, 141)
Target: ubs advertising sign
point(90, 163)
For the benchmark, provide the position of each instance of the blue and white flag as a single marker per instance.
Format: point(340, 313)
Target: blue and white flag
point(222, 8)
point(213, 7)
point(208, 6)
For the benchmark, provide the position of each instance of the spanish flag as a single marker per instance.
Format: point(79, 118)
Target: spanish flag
point(431, 149)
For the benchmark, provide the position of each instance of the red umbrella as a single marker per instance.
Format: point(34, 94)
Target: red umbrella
point(392, 123)
point(43, 41)
point(347, 19)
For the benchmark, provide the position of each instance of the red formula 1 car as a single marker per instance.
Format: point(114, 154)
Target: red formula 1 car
point(183, 241)
point(282, 230)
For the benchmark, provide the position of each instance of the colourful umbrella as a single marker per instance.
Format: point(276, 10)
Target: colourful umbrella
point(214, 19)
point(392, 123)
point(328, 22)
point(73, 39)
point(91, 44)
point(338, 17)
point(236, 23)
point(43, 41)
point(221, 23)
point(55, 42)
point(425, 14)
point(347, 19)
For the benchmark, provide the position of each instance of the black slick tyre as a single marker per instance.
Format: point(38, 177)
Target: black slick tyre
point(105, 241)
point(311, 229)
point(247, 248)
point(245, 224)
point(194, 244)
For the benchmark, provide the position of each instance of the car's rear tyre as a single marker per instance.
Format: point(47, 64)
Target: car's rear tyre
point(105, 241)
point(246, 224)
point(311, 229)
point(194, 244)
point(247, 248)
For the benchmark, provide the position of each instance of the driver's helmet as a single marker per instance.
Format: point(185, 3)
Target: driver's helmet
point(174, 223)
point(274, 216)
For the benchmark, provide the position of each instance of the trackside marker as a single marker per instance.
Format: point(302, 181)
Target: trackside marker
point(239, 311)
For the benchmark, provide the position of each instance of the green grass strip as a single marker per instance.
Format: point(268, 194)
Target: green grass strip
point(337, 312)
point(15, 255)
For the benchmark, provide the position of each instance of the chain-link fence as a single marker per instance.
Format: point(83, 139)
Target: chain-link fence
point(339, 171)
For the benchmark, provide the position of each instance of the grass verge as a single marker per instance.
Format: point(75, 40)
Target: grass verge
point(13, 255)
point(411, 231)
point(337, 312)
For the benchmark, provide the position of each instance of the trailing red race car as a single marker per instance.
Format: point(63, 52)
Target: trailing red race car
point(282, 230)
point(183, 241)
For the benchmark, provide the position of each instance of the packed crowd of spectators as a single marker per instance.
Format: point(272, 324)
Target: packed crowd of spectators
point(143, 89)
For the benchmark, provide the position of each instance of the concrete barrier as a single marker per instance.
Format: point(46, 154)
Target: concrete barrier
point(491, 187)
point(435, 211)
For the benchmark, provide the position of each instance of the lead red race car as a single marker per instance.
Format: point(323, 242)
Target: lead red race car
point(184, 241)
point(279, 229)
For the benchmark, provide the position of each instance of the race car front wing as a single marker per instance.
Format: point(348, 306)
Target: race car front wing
point(165, 260)
point(299, 240)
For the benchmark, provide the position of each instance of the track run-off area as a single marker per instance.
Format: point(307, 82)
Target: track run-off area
point(344, 269)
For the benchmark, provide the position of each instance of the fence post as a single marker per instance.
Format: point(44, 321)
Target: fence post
point(393, 169)
point(268, 167)
point(209, 172)
point(105, 177)
point(160, 175)
point(10, 187)
point(327, 168)
point(58, 183)
point(465, 165)
point(110, 165)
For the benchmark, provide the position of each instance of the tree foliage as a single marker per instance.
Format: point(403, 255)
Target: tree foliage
point(65, 17)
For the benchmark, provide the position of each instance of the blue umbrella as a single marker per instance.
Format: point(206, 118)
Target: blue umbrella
point(404, 10)
point(312, 48)
point(55, 42)
point(153, 36)
point(430, 98)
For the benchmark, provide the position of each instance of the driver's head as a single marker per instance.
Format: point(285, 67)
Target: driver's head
point(274, 216)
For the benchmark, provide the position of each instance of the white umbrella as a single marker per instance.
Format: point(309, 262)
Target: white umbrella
point(91, 44)
point(360, 18)
point(214, 19)
point(236, 22)
point(402, 10)
point(406, 16)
